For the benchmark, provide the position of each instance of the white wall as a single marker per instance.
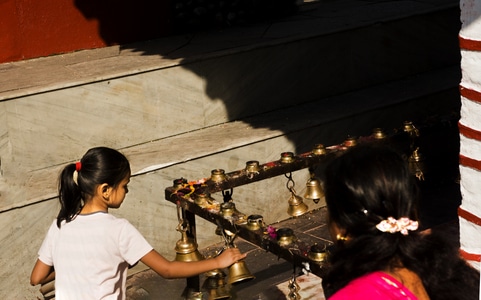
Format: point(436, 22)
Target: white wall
point(470, 131)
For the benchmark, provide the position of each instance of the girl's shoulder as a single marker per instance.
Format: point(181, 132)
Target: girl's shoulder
point(374, 286)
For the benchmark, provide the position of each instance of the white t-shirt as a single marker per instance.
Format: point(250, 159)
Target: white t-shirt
point(91, 255)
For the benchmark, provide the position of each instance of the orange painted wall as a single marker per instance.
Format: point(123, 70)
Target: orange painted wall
point(36, 28)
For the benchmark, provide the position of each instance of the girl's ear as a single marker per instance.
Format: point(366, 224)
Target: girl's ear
point(104, 190)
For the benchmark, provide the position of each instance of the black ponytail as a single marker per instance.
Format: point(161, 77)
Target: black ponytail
point(98, 166)
point(70, 195)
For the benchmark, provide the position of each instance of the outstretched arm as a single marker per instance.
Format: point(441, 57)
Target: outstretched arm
point(180, 269)
point(41, 273)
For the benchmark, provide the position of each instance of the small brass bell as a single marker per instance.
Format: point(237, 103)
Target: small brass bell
point(416, 164)
point(319, 149)
point(252, 166)
point(318, 253)
point(227, 209)
point(203, 199)
point(217, 175)
point(186, 249)
point(410, 129)
point(314, 190)
point(378, 134)
point(350, 142)
point(285, 236)
point(179, 183)
point(296, 205)
point(287, 157)
point(216, 286)
point(239, 272)
point(255, 222)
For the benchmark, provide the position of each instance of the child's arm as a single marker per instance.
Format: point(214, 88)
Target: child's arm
point(41, 273)
point(180, 269)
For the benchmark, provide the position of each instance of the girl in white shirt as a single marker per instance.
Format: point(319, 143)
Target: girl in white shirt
point(87, 250)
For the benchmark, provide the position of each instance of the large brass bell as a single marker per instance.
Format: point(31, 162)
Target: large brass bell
point(186, 248)
point(216, 286)
point(239, 272)
point(314, 190)
point(296, 205)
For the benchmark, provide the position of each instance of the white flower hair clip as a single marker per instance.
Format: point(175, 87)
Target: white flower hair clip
point(402, 225)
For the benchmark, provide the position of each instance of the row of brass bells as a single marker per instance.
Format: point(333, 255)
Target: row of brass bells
point(296, 205)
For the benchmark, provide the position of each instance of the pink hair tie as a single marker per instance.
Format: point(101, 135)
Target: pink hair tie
point(402, 225)
point(78, 166)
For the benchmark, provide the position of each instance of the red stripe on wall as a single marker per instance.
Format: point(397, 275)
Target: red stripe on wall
point(469, 216)
point(470, 256)
point(469, 132)
point(469, 44)
point(470, 94)
point(470, 162)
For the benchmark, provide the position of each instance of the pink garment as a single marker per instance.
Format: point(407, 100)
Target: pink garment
point(374, 286)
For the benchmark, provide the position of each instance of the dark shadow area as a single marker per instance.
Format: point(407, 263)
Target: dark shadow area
point(292, 73)
point(128, 21)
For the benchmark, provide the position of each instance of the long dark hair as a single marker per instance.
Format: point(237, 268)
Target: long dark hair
point(99, 165)
point(366, 185)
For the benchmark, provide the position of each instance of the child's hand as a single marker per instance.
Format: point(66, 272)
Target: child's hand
point(228, 257)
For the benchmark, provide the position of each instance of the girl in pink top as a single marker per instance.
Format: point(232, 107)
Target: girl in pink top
point(380, 253)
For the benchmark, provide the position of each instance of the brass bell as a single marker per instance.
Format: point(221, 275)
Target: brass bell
point(239, 272)
point(285, 236)
point(217, 175)
point(318, 253)
point(252, 166)
point(179, 183)
point(287, 157)
point(410, 129)
point(314, 190)
point(203, 199)
point(296, 205)
point(416, 164)
point(227, 209)
point(319, 149)
point(216, 286)
point(255, 222)
point(186, 249)
point(350, 142)
point(378, 134)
